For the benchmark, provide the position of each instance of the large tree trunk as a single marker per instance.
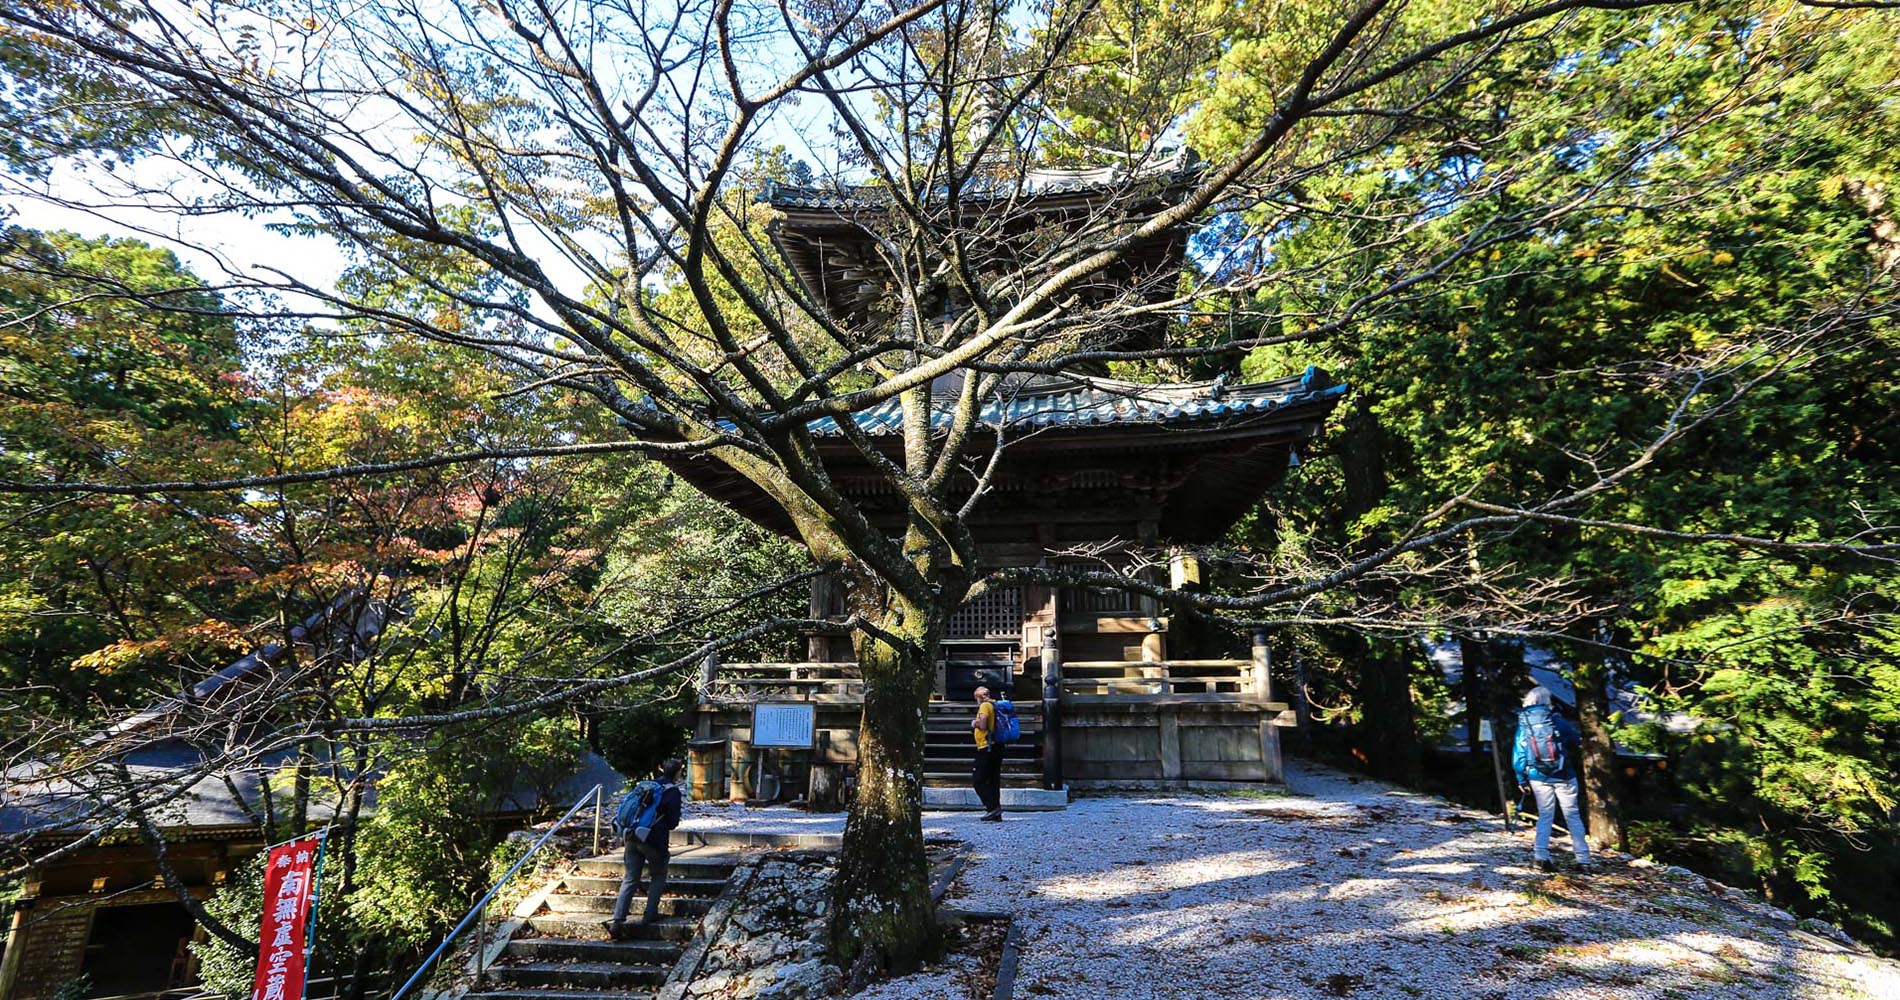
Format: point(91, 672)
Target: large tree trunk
point(882, 919)
point(1603, 791)
point(1390, 733)
point(1491, 701)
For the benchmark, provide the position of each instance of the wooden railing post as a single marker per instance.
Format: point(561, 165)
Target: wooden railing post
point(1262, 666)
point(1052, 708)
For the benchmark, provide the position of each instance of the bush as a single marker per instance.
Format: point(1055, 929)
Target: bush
point(637, 739)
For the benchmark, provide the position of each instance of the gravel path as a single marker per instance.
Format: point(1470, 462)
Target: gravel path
point(1351, 888)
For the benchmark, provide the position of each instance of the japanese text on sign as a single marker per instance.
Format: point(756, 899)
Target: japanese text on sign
point(283, 936)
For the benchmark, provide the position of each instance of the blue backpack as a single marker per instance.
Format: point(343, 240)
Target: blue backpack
point(1545, 744)
point(640, 807)
point(1009, 728)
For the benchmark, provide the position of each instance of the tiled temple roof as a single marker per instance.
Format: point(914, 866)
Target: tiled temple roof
point(1077, 402)
point(1033, 183)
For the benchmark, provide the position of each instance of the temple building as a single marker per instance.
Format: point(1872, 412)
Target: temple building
point(1092, 464)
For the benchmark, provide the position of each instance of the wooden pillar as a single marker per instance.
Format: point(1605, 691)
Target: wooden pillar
point(1471, 687)
point(1270, 766)
point(1302, 709)
point(823, 594)
point(1184, 570)
point(16, 948)
point(1052, 708)
point(702, 713)
point(1169, 726)
point(1262, 666)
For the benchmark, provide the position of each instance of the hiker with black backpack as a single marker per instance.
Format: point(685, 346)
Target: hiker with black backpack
point(1545, 759)
point(646, 818)
point(990, 730)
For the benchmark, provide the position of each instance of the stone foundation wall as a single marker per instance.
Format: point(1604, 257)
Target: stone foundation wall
point(1166, 744)
point(772, 945)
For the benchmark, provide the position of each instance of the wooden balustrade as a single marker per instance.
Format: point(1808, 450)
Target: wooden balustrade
point(747, 682)
point(1222, 680)
point(1232, 678)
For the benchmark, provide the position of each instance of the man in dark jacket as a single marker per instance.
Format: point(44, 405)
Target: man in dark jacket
point(1546, 758)
point(649, 846)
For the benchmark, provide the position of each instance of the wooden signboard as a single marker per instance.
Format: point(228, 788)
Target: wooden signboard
point(783, 724)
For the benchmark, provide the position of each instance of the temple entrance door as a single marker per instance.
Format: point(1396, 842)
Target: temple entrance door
point(135, 949)
point(983, 647)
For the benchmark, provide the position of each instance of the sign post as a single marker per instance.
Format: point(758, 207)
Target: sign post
point(283, 938)
point(783, 725)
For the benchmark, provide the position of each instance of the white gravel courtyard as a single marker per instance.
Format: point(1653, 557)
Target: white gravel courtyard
point(1350, 888)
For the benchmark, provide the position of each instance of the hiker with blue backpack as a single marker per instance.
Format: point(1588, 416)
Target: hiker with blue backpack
point(646, 818)
point(1548, 749)
point(994, 727)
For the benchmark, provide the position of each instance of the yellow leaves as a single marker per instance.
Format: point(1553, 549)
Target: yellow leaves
point(211, 637)
point(1585, 253)
point(1722, 258)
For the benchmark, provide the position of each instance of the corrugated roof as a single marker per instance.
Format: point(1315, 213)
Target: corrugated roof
point(1077, 402)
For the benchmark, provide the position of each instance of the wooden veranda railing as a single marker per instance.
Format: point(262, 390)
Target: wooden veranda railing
point(749, 682)
point(1157, 677)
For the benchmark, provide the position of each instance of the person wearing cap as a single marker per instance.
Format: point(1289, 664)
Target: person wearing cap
point(1545, 758)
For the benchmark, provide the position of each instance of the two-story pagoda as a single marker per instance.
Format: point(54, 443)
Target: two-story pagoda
point(1093, 463)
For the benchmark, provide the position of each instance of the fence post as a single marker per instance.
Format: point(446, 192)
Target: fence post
point(1052, 708)
point(481, 944)
point(1262, 666)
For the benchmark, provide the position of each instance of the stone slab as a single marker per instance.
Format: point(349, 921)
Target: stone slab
point(1014, 799)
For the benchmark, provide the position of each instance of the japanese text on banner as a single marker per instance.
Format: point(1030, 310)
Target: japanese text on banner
point(282, 935)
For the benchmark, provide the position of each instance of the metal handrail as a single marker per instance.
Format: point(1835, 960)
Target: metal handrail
point(480, 909)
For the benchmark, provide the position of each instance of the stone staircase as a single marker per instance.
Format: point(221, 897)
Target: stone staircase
point(561, 952)
point(949, 749)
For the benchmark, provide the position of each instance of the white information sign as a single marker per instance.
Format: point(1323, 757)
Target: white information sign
point(783, 724)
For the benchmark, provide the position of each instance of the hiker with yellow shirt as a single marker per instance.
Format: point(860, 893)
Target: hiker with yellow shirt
point(986, 774)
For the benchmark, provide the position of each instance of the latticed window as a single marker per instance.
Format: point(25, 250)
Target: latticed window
point(1102, 602)
point(996, 614)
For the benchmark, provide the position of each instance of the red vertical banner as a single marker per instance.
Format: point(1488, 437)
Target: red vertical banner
point(283, 937)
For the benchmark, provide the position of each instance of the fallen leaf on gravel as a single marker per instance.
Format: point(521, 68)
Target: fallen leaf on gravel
point(1340, 984)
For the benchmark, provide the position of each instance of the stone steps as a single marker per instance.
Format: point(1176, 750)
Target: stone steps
point(508, 994)
point(563, 952)
point(607, 887)
point(614, 976)
point(551, 949)
point(683, 865)
point(562, 904)
point(1025, 765)
point(586, 927)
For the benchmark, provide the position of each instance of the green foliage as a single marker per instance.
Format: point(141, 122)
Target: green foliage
point(429, 848)
point(1745, 156)
point(114, 363)
point(239, 904)
point(636, 740)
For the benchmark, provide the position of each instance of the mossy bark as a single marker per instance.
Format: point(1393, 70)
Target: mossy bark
point(1602, 786)
point(882, 920)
